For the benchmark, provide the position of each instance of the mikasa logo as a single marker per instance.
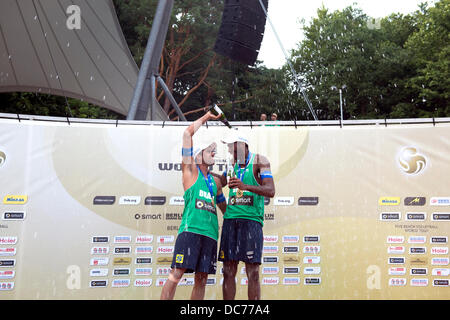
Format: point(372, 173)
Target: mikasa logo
point(15, 199)
point(411, 161)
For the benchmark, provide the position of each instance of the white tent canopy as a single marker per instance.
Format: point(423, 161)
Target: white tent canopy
point(40, 53)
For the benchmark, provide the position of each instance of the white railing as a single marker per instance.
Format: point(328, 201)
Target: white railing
point(291, 123)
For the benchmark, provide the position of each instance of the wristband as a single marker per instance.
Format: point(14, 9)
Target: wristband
point(220, 198)
point(187, 152)
point(266, 174)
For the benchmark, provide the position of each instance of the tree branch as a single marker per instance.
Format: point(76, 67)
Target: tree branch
point(200, 82)
point(194, 58)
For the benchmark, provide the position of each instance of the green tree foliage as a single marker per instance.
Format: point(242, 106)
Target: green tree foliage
point(341, 51)
point(245, 92)
point(196, 75)
point(398, 68)
point(430, 48)
point(188, 64)
point(55, 106)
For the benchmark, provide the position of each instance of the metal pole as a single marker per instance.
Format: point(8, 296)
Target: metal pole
point(171, 98)
point(233, 96)
point(153, 95)
point(152, 55)
point(143, 105)
point(340, 97)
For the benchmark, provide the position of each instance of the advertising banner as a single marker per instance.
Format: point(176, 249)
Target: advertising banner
point(91, 211)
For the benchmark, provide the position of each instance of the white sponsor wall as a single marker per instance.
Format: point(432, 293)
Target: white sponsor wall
point(91, 211)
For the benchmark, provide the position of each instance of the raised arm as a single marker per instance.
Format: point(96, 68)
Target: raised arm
point(188, 167)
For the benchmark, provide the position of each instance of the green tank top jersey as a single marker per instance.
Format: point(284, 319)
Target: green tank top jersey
point(200, 215)
point(246, 205)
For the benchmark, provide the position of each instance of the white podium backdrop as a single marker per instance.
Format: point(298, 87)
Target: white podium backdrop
point(91, 211)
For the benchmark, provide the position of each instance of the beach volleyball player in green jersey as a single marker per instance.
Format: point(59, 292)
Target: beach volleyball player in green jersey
point(242, 235)
point(196, 245)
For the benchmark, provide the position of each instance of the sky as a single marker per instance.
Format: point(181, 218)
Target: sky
point(286, 14)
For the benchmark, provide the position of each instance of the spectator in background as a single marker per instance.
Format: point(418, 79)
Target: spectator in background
point(263, 117)
point(273, 117)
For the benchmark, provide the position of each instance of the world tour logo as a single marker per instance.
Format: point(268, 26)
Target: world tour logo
point(411, 161)
point(168, 166)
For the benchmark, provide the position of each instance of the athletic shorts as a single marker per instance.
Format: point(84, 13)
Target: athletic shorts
point(241, 240)
point(195, 253)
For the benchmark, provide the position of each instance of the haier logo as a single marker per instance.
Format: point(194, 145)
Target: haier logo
point(395, 239)
point(143, 282)
point(270, 238)
point(144, 239)
point(8, 240)
point(270, 281)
